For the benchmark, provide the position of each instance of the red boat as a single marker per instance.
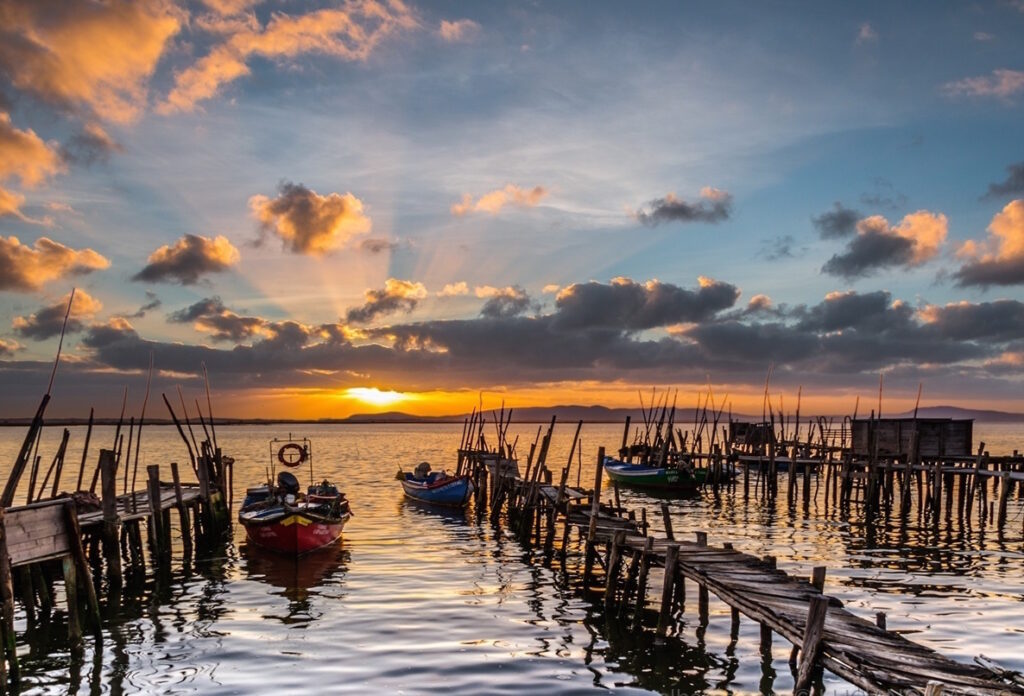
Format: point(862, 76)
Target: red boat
point(281, 518)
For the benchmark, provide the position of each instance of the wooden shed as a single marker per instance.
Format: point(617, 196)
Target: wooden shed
point(937, 437)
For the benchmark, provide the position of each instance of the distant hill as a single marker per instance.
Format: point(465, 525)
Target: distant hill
point(957, 412)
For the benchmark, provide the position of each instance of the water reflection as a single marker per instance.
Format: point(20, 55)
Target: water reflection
point(298, 579)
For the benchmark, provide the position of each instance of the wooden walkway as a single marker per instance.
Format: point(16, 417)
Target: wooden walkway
point(824, 634)
point(857, 650)
point(135, 506)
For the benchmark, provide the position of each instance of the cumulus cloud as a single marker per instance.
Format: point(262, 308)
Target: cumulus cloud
point(503, 302)
point(458, 30)
point(8, 347)
point(454, 289)
point(631, 306)
point(1012, 185)
point(999, 259)
point(97, 56)
point(309, 223)
point(209, 315)
point(836, 223)
point(24, 268)
point(1001, 320)
point(714, 205)
point(396, 296)
point(25, 155)
point(188, 259)
point(493, 201)
point(10, 204)
point(877, 244)
point(350, 32)
point(46, 322)
point(1001, 84)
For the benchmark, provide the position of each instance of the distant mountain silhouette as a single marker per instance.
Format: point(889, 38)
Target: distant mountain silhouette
point(983, 415)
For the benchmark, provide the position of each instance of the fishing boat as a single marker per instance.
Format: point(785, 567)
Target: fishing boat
point(278, 516)
point(435, 487)
point(671, 478)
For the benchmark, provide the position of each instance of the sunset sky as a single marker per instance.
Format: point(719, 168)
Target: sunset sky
point(360, 206)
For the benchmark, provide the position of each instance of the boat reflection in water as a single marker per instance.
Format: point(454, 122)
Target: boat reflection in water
point(300, 580)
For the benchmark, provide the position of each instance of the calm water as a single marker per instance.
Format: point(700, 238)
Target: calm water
point(416, 601)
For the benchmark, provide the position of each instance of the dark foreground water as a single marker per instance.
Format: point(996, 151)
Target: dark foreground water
point(417, 601)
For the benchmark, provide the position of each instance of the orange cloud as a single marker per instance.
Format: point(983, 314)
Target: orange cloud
point(188, 259)
point(493, 201)
point(27, 268)
point(999, 259)
point(454, 289)
point(309, 223)
point(25, 155)
point(397, 295)
point(459, 30)
point(350, 32)
point(99, 55)
point(925, 230)
point(47, 322)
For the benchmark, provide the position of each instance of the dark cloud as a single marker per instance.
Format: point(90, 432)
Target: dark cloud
point(998, 259)
point(47, 321)
point(837, 223)
point(873, 311)
point(396, 296)
point(713, 206)
point(871, 250)
point(987, 272)
point(1001, 320)
point(190, 258)
point(376, 245)
point(507, 302)
point(152, 302)
point(308, 223)
point(211, 316)
point(1013, 184)
point(89, 146)
point(627, 305)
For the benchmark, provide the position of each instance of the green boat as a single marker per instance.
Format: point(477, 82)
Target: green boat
point(668, 478)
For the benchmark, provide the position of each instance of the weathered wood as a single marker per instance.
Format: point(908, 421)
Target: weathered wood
point(612, 574)
point(111, 522)
point(71, 593)
point(10, 653)
point(811, 647)
point(668, 586)
point(818, 578)
point(667, 518)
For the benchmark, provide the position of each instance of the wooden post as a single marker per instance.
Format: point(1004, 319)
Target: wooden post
point(595, 508)
point(612, 575)
point(7, 596)
point(71, 592)
point(641, 583)
point(818, 578)
point(1004, 490)
point(880, 619)
point(811, 648)
point(671, 560)
point(111, 522)
point(156, 518)
point(933, 688)
point(82, 566)
point(183, 521)
point(668, 522)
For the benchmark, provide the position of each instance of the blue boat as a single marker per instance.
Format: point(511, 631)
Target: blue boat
point(436, 487)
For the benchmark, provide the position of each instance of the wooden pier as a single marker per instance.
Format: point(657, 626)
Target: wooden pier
point(610, 553)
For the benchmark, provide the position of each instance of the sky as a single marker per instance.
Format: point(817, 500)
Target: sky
point(349, 207)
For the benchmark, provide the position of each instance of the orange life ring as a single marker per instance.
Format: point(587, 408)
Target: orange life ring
point(291, 447)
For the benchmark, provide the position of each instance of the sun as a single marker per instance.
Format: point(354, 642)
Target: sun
point(376, 397)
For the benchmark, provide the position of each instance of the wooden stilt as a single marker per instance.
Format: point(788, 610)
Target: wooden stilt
point(811, 647)
point(668, 586)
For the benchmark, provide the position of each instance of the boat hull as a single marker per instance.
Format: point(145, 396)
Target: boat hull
point(660, 478)
point(294, 532)
point(450, 492)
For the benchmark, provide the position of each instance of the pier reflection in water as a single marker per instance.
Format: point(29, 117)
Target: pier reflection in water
point(420, 600)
